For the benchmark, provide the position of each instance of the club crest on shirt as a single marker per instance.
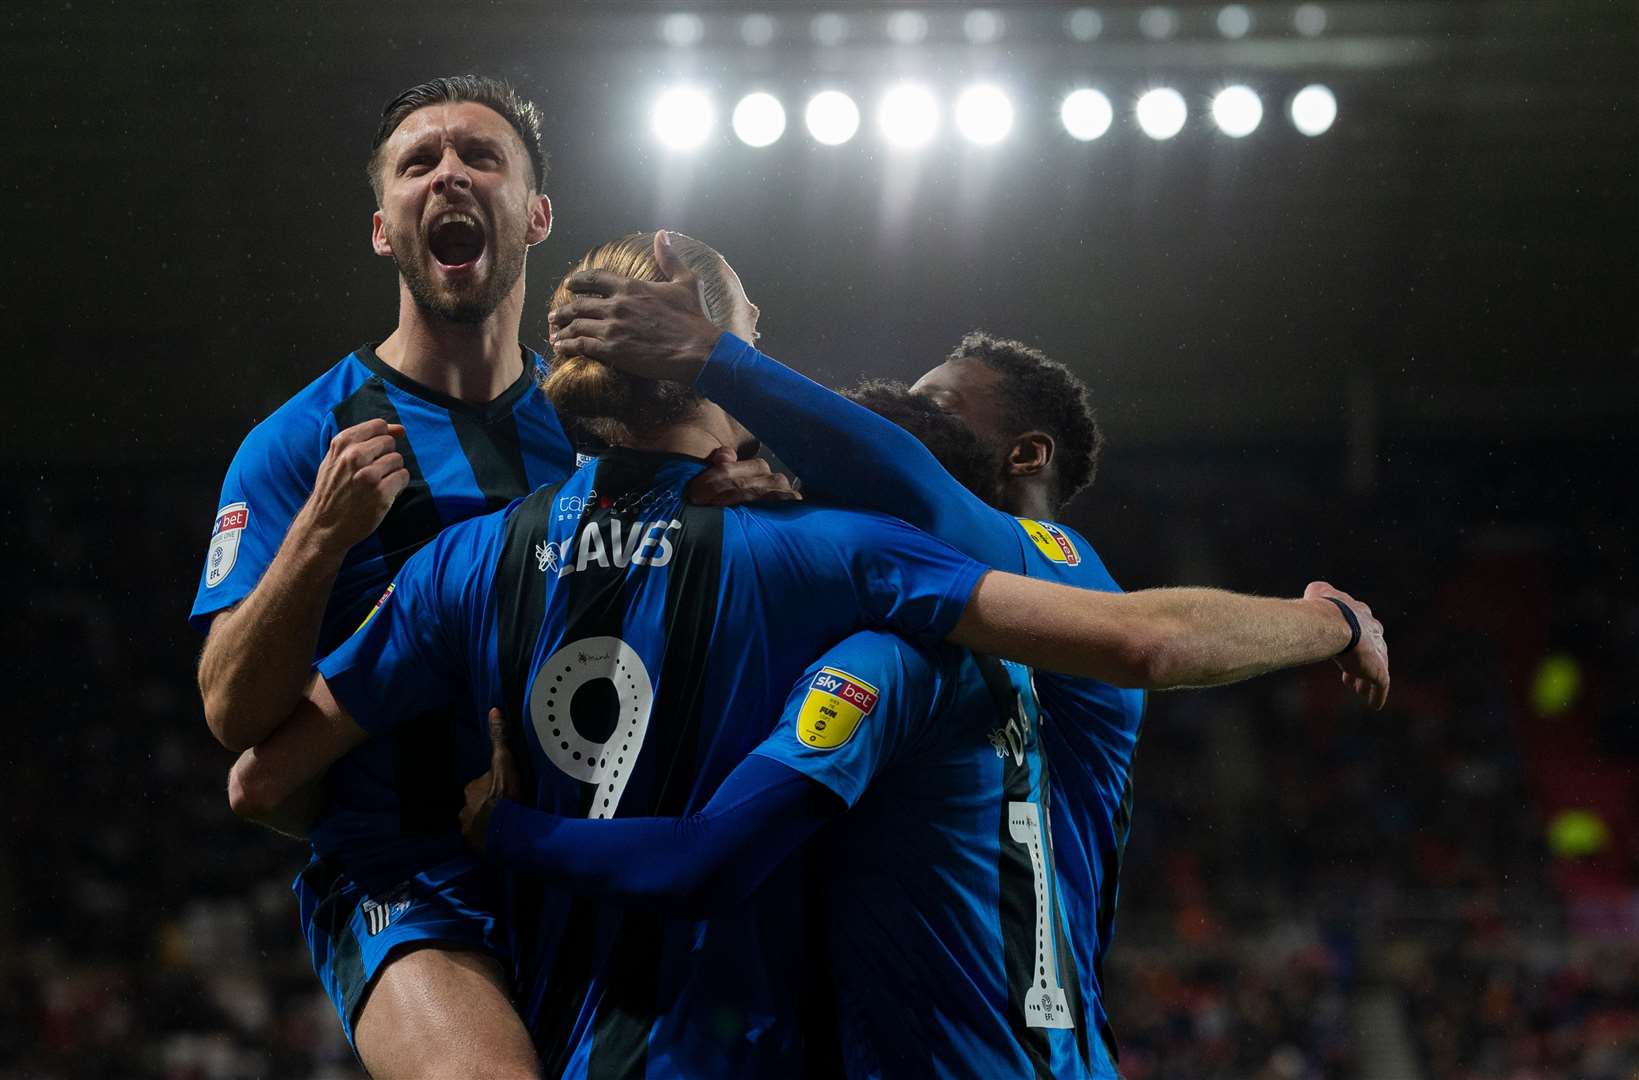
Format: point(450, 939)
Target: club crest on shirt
point(1052, 541)
point(836, 703)
point(230, 526)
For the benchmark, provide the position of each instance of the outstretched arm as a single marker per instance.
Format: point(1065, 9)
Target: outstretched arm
point(703, 864)
point(1162, 639)
point(659, 330)
point(276, 782)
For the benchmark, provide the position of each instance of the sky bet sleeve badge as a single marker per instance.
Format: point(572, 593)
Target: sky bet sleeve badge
point(1053, 541)
point(835, 705)
point(230, 526)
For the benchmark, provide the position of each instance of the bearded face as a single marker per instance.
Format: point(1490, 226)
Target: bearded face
point(456, 268)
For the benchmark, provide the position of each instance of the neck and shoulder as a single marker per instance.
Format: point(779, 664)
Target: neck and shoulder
point(471, 362)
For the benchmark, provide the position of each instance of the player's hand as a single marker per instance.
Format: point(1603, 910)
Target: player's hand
point(731, 481)
point(360, 476)
point(656, 329)
point(501, 782)
point(1366, 666)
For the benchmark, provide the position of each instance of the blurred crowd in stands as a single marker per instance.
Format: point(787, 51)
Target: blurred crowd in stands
point(1471, 854)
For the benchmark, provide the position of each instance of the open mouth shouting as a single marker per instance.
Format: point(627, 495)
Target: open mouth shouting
point(456, 241)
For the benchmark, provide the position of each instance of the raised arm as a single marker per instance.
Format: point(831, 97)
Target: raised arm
point(842, 451)
point(259, 652)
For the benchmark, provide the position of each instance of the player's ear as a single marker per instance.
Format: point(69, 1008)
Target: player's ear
point(378, 235)
point(1030, 453)
point(540, 220)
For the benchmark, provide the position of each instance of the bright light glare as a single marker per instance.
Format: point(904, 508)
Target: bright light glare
point(1086, 114)
point(1162, 112)
point(908, 116)
point(829, 29)
point(1158, 23)
point(907, 27)
point(759, 119)
point(1309, 20)
point(683, 117)
point(1234, 21)
point(1237, 111)
point(984, 115)
point(1313, 109)
point(682, 29)
point(832, 117)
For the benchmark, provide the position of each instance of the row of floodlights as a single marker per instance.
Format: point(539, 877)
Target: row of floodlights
point(980, 26)
point(908, 115)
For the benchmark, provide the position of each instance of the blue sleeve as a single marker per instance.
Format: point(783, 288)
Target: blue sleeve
point(850, 455)
point(267, 483)
point(700, 865)
point(855, 711)
point(880, 571)
point(414, 651)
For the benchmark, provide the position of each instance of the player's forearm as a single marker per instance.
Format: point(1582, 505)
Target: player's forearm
point(274, 778)
point(828, 440)
point(293, 817)
point(259, 655)
point(1156, 639)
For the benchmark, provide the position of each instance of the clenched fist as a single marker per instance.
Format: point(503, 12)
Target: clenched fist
point(360, 476)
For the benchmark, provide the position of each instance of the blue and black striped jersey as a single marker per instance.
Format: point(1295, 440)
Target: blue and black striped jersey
point(948, 938)
point(463, 460)
point(642, 644)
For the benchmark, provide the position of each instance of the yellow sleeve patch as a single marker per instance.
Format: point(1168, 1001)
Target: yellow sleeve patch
point(1052, 541)
point(836, 703)
point(391, 586)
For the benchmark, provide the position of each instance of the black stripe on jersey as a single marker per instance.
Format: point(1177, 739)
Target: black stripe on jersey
point(426, 768)
point(413, 518)
point(521, 609)
point(666, 768)
point(496, 455)
point(333, 917)
point(1016, 883)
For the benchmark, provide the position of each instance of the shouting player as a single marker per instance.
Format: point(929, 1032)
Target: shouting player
point(634, 635)
point(323, 503)
point(1039, 448)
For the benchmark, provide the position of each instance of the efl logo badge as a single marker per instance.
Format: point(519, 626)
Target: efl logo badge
point(1052, 541)
point(230, 526)
point(835, 705)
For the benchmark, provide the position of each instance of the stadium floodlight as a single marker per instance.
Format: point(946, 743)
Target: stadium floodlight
point(683, 117)
point(832, 117)
point(1234, 21)
point(757, 29)
point(1084, 24)
point(1237, 111)
point(1158, 23)
point(907, 27)
point(1086, 114)
point(1161, 113)
point(682, 29)
point(982, 27)
point(1313, 109)
point(759, 119)
point(1309, 20)
point(908, 116)
point(984, 115)
point(829, 28)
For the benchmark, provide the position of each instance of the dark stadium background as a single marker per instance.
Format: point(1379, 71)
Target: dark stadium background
point(1399, 356)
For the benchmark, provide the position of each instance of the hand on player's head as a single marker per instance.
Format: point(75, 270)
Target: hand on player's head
point(360, 476)
point(656, 329)
point(732, 481)
point(1366, 666)
point(500, 782)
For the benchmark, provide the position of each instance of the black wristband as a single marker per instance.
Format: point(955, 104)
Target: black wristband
point(1354, 624)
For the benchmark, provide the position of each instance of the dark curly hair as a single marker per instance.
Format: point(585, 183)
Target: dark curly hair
point(957, 447)
point(496, 94)
point(1039, 394)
